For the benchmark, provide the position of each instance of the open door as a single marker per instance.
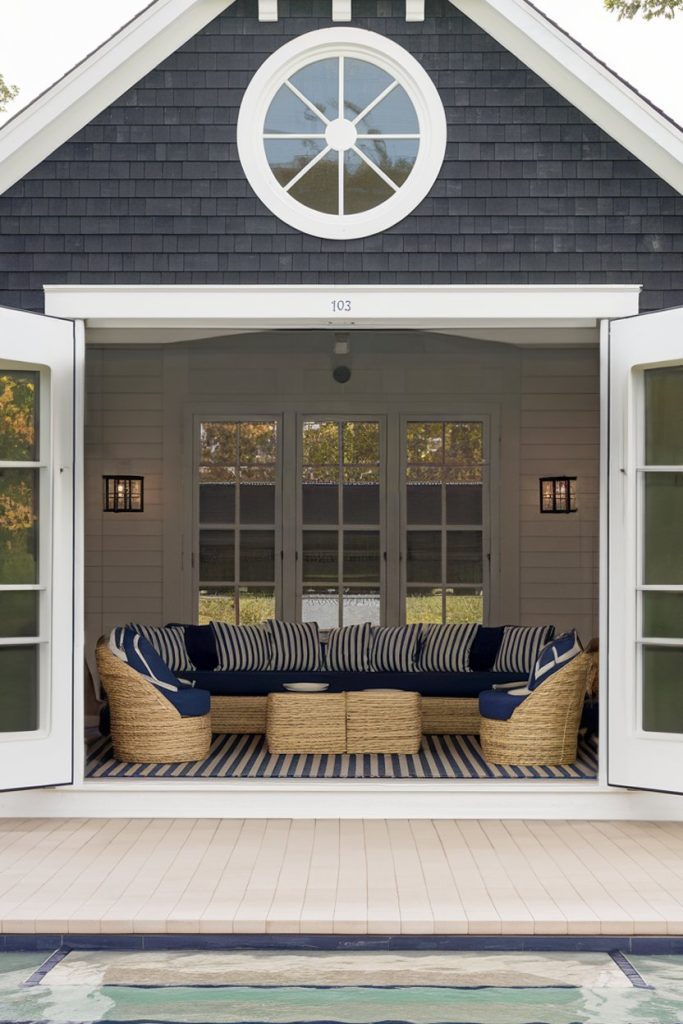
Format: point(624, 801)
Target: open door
point(36, 549)
point(645, 551)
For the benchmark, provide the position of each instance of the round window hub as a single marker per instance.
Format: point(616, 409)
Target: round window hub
point(341, 133)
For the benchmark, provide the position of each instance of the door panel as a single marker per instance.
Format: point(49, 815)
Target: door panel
point(645, 656)
point(36, 550)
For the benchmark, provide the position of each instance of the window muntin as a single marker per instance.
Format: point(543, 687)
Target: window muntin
point(24, 551)
point(239, 481)
point(341, 521)
point(444, 520)
point(341, 133)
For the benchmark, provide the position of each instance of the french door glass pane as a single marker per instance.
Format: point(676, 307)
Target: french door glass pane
point(320, 556)
point(423, 504)
point(19, 393)
point(216, 503)
point(257, 556)
point(361, 503)
point(662, 614)
point(218, 444)
point(424, 556)
point(664, 416)
point(217, 604)
point(257, 503)
point(321, 605)
point(362, 605)
point(19, 613)
point(463, 556)
point(464, 605)
point(256, 604)
point(464, 504)
point(217, 555)
point(320, 504)
point(361, 556)
point(19, 690)
point(662, 669)
point(424, 605)
point(663, 550)
point(19, 526)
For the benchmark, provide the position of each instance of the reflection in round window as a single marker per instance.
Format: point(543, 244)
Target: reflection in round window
point(341, 133)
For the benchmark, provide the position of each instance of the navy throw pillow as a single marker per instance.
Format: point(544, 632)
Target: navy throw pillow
point(201, 647)
point(485, 648)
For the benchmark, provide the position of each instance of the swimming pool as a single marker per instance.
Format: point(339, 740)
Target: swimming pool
point(189, 986)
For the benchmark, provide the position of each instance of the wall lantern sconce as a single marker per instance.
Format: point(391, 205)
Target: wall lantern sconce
point(123, 493)
point(558, 493)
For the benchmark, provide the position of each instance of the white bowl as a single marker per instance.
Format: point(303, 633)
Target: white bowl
point(306, 687)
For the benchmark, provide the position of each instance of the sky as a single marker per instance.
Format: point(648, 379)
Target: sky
point(41, 39)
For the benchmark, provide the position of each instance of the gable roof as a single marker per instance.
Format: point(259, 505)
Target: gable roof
point(165, 25)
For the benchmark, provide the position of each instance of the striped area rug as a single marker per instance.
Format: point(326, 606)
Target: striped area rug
point(235, 756)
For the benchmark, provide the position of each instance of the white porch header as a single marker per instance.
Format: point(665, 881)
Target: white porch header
point(268, 307)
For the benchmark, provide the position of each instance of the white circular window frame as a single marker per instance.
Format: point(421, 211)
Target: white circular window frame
point(363, 45)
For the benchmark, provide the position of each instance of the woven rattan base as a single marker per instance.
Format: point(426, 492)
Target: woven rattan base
point(306, 723)
point(145, 727)
point(238, 714)
point(383, 722)
point(450, 716)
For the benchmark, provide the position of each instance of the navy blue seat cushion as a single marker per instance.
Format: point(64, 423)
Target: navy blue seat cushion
point(200, 642)
point(484, 649)
point(190, 702)
point(498, 704)
point(429, 684)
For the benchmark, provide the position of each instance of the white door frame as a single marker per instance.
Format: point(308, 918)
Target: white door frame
point(542, 315)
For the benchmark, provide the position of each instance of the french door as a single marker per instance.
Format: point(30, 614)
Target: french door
point(645, 656)
point(36, 549)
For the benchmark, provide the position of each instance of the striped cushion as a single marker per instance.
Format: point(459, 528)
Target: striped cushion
point(348, 648)
point(446, 648)
point(295, 646)
point(554, 656)
point(520, 648)
point(395, 648)
point(169, 643)
point(241, 648)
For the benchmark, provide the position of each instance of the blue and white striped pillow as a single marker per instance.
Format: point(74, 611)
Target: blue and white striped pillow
point(520, 647)
point(395, 648)
point(241, 648)
point(348, 648)
point(169, 643)
point(295, 646)
point(554, 656)
point(446, 647)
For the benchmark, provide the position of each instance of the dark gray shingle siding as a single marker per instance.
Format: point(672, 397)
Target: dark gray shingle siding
point(152, 191)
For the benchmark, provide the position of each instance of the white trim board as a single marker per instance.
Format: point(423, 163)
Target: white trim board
point(142, 44)
point(426, 307)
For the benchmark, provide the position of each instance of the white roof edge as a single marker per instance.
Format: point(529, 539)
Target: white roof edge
point(584, 81)
point(142, 44)
point(96, 82)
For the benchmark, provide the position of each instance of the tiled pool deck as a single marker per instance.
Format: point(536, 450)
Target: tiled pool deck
point(396, 877)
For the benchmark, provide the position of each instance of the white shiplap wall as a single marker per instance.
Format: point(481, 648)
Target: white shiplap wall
point(544, 404)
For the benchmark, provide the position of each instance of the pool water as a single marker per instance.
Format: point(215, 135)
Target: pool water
point(81, 990)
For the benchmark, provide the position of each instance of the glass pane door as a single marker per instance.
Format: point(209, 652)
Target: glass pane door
point(342, 530)
point(238, 520)
point(444, 519)
point(36, 550)
point(660, 589)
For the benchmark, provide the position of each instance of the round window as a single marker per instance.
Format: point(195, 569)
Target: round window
point(341, 133)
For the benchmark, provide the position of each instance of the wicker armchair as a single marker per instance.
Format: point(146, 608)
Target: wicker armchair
point(145, 727)
point(544, 728)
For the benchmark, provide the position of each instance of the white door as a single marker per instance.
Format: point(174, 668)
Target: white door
point(645, 642)
point(36, 549)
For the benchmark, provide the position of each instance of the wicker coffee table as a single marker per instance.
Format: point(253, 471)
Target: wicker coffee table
point(359, 722)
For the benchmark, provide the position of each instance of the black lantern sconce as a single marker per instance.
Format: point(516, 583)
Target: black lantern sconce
point(123, 493)
point(558, 493)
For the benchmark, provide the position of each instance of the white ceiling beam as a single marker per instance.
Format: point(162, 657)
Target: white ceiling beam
point(415, 10)
point(267, 10)
point(341, 10)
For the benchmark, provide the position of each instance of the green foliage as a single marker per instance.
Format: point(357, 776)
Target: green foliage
point(647, 8)
point(7, 93)
point(459, 608)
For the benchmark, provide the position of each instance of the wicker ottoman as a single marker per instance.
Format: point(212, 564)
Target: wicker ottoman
point(383, 722)
point(306, 723)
